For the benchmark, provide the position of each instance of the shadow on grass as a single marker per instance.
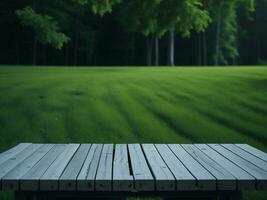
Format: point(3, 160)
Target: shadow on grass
point(165, 119)
point(259, 138)
point(168, 121)
point(113, 100)
point(76, 93)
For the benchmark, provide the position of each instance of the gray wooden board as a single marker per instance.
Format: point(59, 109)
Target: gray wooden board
point(252, 169)
point(30, 181)
point(244, 180)
point(49, 180)
point(4, 156)
point(164, 178)
point(133, 167)
point(205, 180)
point(143, 178)
point(249, 157)
point(122, 179)
point(252, 150)
point(12, 162)
point(103, 180)
point(184, 179)
point(67, 180)
point(86, 178)
point(225, 180)
point(11, 180)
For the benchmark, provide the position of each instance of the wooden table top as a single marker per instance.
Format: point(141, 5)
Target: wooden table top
point(133, 167)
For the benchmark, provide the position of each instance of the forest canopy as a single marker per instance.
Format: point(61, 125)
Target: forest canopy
point(133, 32)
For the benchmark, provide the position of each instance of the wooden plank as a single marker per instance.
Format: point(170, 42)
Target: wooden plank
point(252, 150)
point(164, 179)
point(30, 181)
point(49, 180)
point(4, 156)
point(225, 180)
point(103, 180)
point(86, 178)
point(205, 180)
point(143, 178)
point(67, 180)
point(16, 159)
point(11, 180)
point(249, 157)
point(184, 179)
point(122, 179)
point(244, 180)
point(252, 169)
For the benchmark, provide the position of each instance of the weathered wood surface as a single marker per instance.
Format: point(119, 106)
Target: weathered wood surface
point(143, 178)
point(205, 180)
point(225, 180)
point(50, 179)
point(30, 181)
point(67, 181)
point(133, 167)
point(164, 178)
point(103, 179)
point(11, 179)
point(122, 177)
point(244, 179)
point(86, 178)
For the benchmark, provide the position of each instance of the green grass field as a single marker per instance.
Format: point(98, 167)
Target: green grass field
point(128, 105)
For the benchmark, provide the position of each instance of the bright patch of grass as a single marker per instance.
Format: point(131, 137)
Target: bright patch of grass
point(127, 105)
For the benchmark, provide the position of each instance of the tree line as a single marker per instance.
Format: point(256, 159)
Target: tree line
point(133, 32)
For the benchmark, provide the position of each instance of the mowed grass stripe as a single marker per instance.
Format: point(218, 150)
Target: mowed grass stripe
point(215, 108)
point(133, 104)
point(183, 119)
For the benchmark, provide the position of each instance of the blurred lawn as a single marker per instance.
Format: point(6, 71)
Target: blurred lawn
point(127, 105)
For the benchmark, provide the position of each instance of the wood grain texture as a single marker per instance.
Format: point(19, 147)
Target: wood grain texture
point(184, 179)
point(244, 180)
point(67, 181)
point(252, 150)
point(11, 180)
point(49, 180)
point(144, 181)
point(140, 168)
point(258, 173)
point(30, 181)
point(165, 181)
point(103, 180)
point(122, 179)
point(4, 156)
point(249, 157)
point(225, 180)
point(86, 178)
point(205, 180)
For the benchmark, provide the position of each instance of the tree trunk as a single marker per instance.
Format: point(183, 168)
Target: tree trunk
point(218, 37)
point(171, 48)
point(149, 51)
point(44, 55)
point(34, 51)
point(66, 54)
point(235, 58)
point(156, 50)
point(204, 42)
point(199, 50)
point(17, 52)
point(75, 52)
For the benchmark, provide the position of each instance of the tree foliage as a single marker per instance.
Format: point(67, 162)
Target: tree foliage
point(224, 14)
point(44, 26)
point(100, 7)
point(106, 32)
point(184, 16)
